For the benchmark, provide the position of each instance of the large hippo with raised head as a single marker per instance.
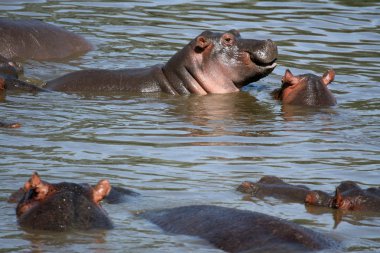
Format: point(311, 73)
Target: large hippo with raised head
point(33, 39)
point(211, 63)
point(235, 230)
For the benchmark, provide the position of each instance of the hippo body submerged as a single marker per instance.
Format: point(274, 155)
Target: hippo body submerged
point(9, 77)
point(33, 39)
point(63, 206)
point(272, 186)
point(306, 89)
point(234, 230)
point(210, 63)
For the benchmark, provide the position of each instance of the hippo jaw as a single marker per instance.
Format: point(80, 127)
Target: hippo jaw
point(220, 63)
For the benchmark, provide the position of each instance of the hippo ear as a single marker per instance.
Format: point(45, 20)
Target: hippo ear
point(38, 185)
point(288, 78)
point(201, 42)
point(328, 76)
point(101, 190)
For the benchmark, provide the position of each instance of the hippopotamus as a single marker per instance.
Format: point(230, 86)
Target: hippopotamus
point(211, 63)
point(306, 90)
point(9, 125)
point(33, 39)
point(9, 77)
point(272, 186)
point(235, 230)
point(63, 206)
point(318, 198)
point(348, 196)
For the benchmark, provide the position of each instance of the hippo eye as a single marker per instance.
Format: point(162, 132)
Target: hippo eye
point(228, 39)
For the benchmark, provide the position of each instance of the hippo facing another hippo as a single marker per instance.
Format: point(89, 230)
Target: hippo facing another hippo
point(307, 89)
point(62, 206)
point(210, 63)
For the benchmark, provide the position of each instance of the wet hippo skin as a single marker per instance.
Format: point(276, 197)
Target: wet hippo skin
point(33, 39)
point(272, 186)
point(235, 230)
point(9, 77)
point(307, 89)
point(62, 206)
point(348, 196)
point(210, 63)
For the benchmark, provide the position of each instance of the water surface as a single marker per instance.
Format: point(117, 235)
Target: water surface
point(196, 149)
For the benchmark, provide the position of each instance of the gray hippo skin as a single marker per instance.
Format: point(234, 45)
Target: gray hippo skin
point(234, 230)
point(9, 73)
point(210, 63)
point(62, 206)
point(272, 186)
point(307, 89)
point(33, 39)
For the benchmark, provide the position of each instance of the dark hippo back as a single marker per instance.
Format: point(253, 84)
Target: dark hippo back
point(33, 39)
point(236, 230)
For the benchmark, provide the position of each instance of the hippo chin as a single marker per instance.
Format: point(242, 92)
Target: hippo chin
point(210, 63)
point(33, 39)
point(235, 230)
point(307, 89)
point(62, 206)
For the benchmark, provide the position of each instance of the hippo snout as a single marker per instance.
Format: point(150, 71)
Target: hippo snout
point(264, 53)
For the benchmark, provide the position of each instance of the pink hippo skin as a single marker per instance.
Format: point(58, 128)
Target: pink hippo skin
point(211, 63)
point(307, 89)
point(63, 206)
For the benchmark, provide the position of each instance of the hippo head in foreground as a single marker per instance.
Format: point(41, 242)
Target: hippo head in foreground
point(62, 206)
point(221, 62)
point(307, 89)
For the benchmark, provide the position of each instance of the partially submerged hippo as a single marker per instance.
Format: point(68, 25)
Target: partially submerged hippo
point(9, 77)
point(33, 39)
point(234, 230)
point(210, 63)
point(63, 206)
point(307, 89)
point(348, 196)
point(355, 198)
point(272, 186)
point(9, 125)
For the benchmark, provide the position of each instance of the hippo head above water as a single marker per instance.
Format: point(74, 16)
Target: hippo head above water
point(210, 63)
point(307, 89)
point(62, 206)
point(222, 62)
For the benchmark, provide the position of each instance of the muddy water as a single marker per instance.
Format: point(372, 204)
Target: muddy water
point(197, 149)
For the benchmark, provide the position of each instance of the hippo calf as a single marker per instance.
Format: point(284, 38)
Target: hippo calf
point(272, 186)
point(62, 206)
point(235, 230)
point(307, 89)
point(210, 63)
point(33, 39)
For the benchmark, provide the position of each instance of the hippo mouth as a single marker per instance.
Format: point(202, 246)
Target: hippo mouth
point(264, 64)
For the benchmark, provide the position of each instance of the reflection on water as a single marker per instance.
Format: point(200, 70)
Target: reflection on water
point(197, 149)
